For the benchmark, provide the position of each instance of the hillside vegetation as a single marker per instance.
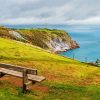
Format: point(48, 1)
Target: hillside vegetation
point(66, 79)
point(4, 32)
point(39, 37)
point(52, 40)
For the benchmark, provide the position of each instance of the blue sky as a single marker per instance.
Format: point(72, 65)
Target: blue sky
point(50, 12)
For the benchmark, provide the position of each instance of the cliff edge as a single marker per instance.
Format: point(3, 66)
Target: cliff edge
point(52, 40)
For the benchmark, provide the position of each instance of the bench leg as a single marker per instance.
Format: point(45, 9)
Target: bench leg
point(1, 74)
point(24, 88)
point(25, 80)
point(33, 82)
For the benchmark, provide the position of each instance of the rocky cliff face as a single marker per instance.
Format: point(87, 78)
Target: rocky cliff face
point(58, 45)
point(52, 40)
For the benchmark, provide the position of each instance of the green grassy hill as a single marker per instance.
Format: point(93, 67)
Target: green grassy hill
point(66, 79)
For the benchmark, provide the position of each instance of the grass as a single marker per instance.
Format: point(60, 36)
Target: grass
point(68, 92)
point(66, 79)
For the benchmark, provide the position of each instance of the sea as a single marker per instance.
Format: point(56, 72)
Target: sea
point(87, 36)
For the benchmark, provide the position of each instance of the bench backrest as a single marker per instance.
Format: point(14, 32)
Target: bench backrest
point(18, 68)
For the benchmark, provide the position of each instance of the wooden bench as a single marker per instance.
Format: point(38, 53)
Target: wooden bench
point(28, 75)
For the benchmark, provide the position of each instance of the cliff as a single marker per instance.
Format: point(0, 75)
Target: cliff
point(52, 40)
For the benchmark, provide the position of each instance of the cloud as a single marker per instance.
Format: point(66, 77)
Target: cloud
point(50, 11)
point(90, 21)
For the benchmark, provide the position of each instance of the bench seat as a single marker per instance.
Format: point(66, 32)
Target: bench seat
point(20, 75)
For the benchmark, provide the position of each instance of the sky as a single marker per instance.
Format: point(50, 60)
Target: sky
point(50, 12)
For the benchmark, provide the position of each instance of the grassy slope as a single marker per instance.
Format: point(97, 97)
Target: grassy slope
point(65, 79)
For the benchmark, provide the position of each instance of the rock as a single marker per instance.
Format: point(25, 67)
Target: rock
point(74, 45)
point(17, 35)
point(60, 46)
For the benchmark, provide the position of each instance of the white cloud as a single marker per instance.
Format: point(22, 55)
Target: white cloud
point(90, 21)
point(50, 11)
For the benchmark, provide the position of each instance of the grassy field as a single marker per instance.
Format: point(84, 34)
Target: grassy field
point(66, 79)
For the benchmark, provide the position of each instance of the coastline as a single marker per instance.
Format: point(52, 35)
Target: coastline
point(74, 45)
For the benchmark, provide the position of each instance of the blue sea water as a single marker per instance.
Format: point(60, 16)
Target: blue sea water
point(87, 36)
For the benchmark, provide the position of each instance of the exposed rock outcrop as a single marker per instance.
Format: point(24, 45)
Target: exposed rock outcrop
point(58, 45)
point(16, 35)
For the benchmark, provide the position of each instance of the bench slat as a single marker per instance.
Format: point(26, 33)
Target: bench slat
point(18, 68)
point(19, 74)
